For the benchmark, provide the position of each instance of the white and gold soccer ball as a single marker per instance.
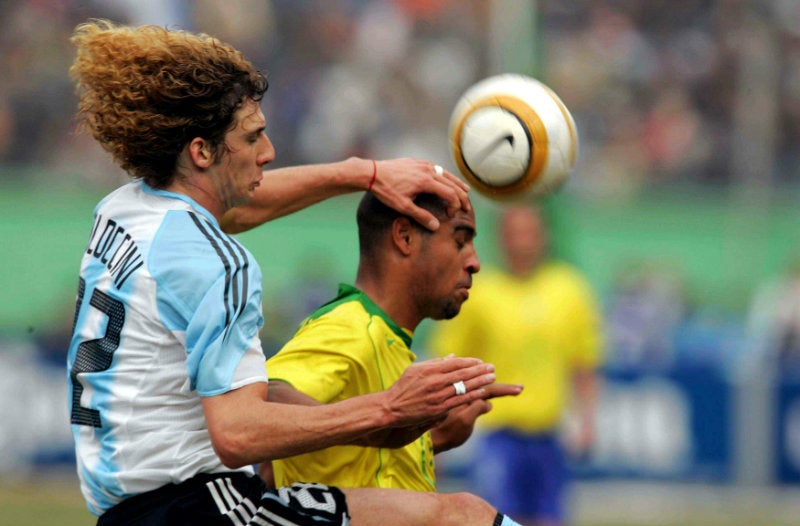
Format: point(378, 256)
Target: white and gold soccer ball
point(513, 138)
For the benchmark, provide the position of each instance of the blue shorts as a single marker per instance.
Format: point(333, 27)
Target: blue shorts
point(521, 475)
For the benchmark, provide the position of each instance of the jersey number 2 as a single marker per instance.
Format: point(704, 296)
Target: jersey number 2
point(95, 355)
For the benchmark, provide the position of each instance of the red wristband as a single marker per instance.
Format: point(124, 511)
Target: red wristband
point(374, 175)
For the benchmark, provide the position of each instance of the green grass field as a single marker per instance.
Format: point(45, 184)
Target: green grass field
point(49, 501)
point(43, 501)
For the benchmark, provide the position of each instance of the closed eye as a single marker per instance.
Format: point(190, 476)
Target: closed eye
point(463, 236)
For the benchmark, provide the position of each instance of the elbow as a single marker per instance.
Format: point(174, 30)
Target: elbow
point(237, 450)
point(248, 217)
point(234, 450)
point(233, 461)
point(243, 218)
point(231, 223)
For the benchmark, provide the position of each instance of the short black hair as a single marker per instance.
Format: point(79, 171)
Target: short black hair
point(374, 217)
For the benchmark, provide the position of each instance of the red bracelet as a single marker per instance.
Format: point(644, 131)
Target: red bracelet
point(374, 175)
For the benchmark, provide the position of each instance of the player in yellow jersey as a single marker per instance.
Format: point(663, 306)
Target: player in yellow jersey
point(539, 324)
point(360, 342)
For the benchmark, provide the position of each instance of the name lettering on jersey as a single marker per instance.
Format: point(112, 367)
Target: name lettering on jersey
point(115, 249)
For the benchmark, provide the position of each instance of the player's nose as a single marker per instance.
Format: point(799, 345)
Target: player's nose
point(267, 153)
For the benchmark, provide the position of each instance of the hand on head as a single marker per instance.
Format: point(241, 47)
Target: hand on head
point(399, 181)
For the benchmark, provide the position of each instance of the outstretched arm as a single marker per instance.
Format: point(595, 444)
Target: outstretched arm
point(282, 392)
point(585, 389)
point(246, 428)
point(395, 182)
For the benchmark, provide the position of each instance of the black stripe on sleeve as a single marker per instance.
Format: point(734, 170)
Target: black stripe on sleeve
point(204, 230)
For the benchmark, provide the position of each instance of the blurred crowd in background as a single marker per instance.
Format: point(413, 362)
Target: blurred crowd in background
point(665, 92)
point(696, 93)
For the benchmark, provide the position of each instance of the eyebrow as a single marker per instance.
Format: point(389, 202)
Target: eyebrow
point(471, 232)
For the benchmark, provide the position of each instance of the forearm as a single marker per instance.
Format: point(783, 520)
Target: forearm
point(457, 427)
point(246, 429)
point(440, 441)
point(267, 430)
point(396, 182)
point(322, 426)
point(585, 393)
point(287, 190)
point(393, 438)
point(283, 392)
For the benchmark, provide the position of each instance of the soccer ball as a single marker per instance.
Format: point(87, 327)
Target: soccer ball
point(513, 138)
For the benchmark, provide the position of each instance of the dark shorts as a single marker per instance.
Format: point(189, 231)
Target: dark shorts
point(521, 475)
point(231, 499)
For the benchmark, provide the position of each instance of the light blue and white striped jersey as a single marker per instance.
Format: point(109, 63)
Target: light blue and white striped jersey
point(168, 311)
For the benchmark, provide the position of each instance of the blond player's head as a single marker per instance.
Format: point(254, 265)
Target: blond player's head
point(145, 92)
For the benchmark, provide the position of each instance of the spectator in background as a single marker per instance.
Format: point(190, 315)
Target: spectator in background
point(538, 322)
point(671, 79)
point(773, 324)
point(646, 307)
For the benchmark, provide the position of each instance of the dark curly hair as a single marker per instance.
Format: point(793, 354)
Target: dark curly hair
point(145, 92)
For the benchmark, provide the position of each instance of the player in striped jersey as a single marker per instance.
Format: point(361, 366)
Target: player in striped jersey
point(169, 396)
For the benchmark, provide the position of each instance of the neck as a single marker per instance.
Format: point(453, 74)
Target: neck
point(391, 295)
point(203, 196)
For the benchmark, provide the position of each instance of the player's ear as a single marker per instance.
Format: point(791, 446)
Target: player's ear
point(200, 152)
point(403, 235)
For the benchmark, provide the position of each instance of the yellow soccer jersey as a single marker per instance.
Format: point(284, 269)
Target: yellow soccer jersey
point(536, 331)
point(346, 348)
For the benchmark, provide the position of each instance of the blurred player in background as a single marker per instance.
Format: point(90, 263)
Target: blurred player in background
point(168, 391)
point(360, 342)
point(538, 322)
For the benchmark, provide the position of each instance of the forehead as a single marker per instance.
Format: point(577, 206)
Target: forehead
point(461, 220)
point(249, 117)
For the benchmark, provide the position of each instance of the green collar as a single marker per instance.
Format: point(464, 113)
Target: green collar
point(351, 293)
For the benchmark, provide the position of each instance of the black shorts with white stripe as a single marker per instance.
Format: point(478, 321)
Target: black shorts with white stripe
point(231, 499)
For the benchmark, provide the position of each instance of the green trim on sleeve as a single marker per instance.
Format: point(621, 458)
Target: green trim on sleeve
point(350, 293)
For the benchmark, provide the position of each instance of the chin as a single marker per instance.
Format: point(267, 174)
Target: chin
point(450, 312)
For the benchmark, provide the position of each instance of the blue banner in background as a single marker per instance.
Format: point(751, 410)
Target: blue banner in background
point(674, 424)
point(787, 426)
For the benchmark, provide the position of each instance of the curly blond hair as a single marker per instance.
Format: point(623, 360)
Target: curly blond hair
point(145, 92)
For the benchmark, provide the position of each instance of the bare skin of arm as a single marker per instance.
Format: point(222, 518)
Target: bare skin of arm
point(447, 433)
point(283, 392)
point(396, 183)
point(246, 428)
point(585, 389)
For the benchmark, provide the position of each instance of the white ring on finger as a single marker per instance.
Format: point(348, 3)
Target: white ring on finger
point(460, 388)
point(438, 169)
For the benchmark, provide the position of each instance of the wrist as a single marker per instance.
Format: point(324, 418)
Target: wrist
point(374, 176)
point(355, 173)
point(386, 416)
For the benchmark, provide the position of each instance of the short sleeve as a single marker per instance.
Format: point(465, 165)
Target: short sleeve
point(319, 359)
point(209, 296)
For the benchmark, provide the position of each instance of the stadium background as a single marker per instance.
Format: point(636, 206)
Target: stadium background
point(681, 211)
